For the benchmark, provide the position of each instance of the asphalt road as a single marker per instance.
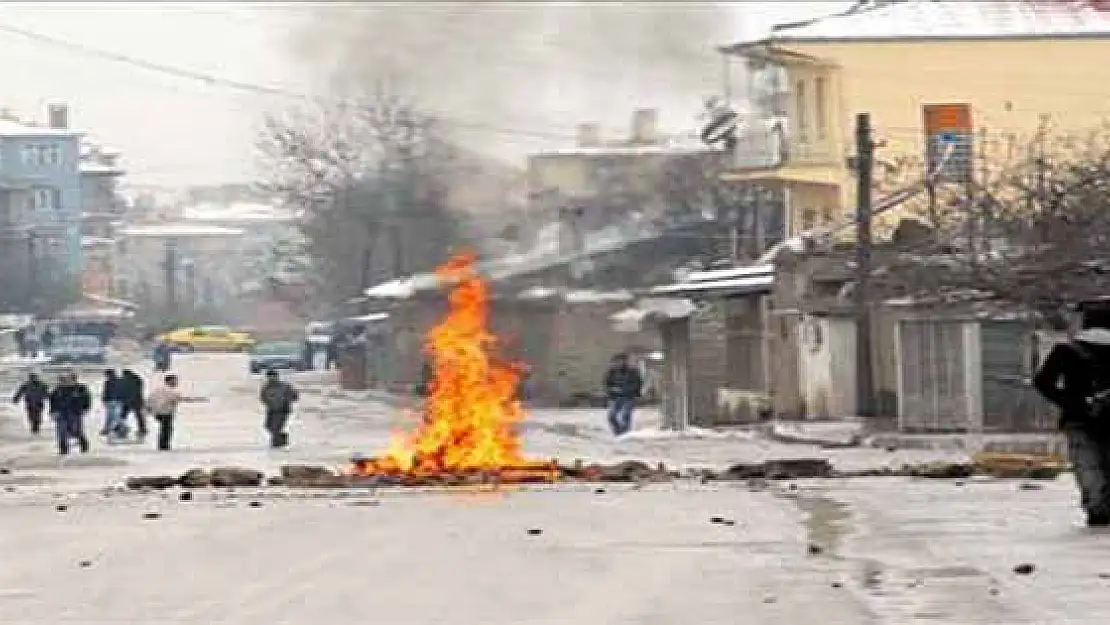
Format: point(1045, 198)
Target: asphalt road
point(861, 551)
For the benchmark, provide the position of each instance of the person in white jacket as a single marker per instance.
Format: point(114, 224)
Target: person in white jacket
point(162, 403)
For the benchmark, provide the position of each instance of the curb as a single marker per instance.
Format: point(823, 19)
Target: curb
point(769, 432)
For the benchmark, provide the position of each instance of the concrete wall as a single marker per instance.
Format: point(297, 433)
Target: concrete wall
point(566, 346)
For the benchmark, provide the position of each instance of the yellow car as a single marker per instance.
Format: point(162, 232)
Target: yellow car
point(208, 339)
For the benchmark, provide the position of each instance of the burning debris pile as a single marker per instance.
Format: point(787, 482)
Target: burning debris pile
point(468, 427)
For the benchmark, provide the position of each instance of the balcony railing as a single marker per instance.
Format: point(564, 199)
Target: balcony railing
point(768, 148)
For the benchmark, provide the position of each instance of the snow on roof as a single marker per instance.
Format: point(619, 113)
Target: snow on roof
point(96, 241)
point(751, 284)
point(12, 128)
point(370, 318)
point(402, 288)
point(99, 168)
point(181, 230)
point(596, 297)
point(926, 19)
point(672, 147)
point(111, 301)
point(749, 279)
point(730, 273)
point(239, 211)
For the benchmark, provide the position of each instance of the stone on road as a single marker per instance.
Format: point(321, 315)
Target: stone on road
point(630, 556)
point(885, 550)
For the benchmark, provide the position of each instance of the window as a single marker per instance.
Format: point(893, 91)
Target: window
point(820, 112)
point(44, 198)
point(42, 154)
point(50, 154)
point(809, 219)
point(801, 114)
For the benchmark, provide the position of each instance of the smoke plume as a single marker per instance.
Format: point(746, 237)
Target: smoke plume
point(523, 74)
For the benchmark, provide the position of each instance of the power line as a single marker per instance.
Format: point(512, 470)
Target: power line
point(212, 80)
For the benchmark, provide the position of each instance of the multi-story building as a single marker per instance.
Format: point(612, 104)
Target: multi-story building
point(983, 77)
point(102, 210)
point(39, 165)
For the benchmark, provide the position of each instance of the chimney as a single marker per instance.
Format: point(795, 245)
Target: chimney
point(57, 116)
point(644, 127)
point(589, 135)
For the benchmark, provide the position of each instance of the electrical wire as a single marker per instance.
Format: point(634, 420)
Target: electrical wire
point(212, 80)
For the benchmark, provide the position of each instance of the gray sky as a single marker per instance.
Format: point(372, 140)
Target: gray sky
point(176, 131)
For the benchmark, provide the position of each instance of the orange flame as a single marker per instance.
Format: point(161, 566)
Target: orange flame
point(470, 417)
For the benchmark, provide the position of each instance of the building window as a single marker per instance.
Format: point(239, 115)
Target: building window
point(801, 112)
point(809, 219)
point(43, 154)
point(820, 110)
point(44, 198)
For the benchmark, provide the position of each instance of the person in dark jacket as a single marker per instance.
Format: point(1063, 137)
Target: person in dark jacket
point(33, 392)
point(47, 340)
point(133, 393)
point(111, 397)
point(277, 398)
point(21, 342)
point(423, 386)
point(1071, 377)
point(623, 385)
point(70, 401)
point(162, 355)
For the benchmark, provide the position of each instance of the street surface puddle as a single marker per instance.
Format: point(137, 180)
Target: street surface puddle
point(826, 520)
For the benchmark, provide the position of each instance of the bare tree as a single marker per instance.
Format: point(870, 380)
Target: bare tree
point(1033, 233)
point(372, 179)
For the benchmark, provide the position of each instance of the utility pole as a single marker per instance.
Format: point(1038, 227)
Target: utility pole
point(170, 268)
point(865, 377)
point(32, 270)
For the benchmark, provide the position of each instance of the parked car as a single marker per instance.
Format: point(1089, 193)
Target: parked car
point(209, 339)
point(277, 355)
point(77, 349)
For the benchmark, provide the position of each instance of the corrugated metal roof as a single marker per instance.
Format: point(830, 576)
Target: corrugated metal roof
point(945, 19)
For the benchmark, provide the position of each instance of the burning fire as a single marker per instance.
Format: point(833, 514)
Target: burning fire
point(470, 417)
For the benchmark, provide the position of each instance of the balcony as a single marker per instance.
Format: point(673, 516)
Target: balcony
point(772, 147)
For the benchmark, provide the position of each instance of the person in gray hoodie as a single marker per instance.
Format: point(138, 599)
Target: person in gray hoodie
point(1076, 378)
point(277, 398)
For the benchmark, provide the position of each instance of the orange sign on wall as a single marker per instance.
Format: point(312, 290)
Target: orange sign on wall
point(947, 118)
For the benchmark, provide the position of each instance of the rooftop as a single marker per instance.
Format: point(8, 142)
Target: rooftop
point(945, 19)
point(181, 230)
point(237, 212)
point(101, 169)
point(673, 145)
point(13, 128)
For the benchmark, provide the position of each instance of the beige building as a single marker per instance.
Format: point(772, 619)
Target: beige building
point(985, 76)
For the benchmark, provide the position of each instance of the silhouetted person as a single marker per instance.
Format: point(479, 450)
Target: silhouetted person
point(132, 392)
point(1076, 378)
point(34, 393)
point(623, 385)
point(111, 397)
point(277, 397)
point(70, 401)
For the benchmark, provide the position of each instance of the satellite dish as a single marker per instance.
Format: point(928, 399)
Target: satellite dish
point(721, 124)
